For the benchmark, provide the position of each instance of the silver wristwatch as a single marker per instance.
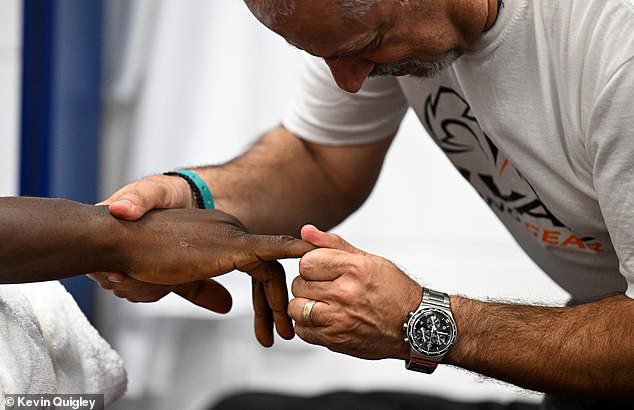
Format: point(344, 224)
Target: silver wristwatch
point(430, 331)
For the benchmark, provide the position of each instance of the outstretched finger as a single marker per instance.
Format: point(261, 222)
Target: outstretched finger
point(272, 278)
point(207, 294)
point(263, 320)
point(273, 247)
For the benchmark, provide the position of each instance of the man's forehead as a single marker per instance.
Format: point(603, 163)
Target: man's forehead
point(273, 9)
point(320, 27)
point(268, 11)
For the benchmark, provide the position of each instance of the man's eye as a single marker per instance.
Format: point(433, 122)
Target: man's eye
point(377, 42)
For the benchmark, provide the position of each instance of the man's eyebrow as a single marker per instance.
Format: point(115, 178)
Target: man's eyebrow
point(347, 52)
point(352, 49)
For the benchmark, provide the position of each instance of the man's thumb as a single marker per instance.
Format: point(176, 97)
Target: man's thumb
point(126, 209)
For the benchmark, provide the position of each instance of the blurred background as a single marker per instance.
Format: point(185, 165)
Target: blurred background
point(97, 93)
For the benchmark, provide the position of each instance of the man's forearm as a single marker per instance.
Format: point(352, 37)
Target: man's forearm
point(44, 239)
point(585, 350)
point(282, 183)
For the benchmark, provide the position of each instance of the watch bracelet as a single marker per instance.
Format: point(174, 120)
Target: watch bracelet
point(442, 301)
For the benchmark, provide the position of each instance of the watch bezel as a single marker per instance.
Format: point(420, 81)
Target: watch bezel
point(413, 341)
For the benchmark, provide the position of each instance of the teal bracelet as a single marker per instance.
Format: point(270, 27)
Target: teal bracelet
point(201, 191)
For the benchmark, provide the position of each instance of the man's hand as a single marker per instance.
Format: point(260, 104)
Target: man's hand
point(178, 246)
point(188, 246)
point(195, 252)
point(362, 299)
point(583, 351)
point(207, 294)
point(154, 192)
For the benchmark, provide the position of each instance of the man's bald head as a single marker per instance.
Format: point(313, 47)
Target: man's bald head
point(268, 11)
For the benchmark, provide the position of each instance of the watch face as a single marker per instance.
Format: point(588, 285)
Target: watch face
point(431, 332)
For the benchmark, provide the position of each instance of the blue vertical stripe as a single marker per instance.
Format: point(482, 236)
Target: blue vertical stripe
point(36, 129)
point(60, 118)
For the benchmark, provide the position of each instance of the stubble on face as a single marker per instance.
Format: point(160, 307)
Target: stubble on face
point(415, 66)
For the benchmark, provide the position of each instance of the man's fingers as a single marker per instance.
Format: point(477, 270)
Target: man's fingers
point(317, 290)
point(308, 312)
point(277, 295)
point(326, 239)
point(109, 280)
point(327, 264)
point(263, 320)
point(208, 294)
point(126, 287)
point(272, 279)
point(272, 247)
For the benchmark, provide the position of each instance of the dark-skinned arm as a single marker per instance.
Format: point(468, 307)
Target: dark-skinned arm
point(44, 239)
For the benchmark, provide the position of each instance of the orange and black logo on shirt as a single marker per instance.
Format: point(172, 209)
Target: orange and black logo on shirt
point(449, 120)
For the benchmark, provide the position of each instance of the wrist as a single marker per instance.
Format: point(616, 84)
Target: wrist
point(412, 299)
point(462, 308)
point(108, 242)
point(430, 331)
point(185, 192)
point(198, 188)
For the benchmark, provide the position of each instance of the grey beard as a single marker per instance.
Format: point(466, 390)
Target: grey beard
point(431, 68)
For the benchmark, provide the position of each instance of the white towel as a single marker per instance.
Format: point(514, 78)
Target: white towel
point(48, 346)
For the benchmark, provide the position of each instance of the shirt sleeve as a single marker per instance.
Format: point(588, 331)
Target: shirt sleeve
point(611, 146)
point(323, 113)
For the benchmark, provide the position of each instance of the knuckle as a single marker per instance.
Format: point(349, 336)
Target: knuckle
point(305, 264)
point(338, 318)
point(283, 239)
point(312, 259)
point(356, 266)
point(296, 285)
point(347, 294)
point(294, 310)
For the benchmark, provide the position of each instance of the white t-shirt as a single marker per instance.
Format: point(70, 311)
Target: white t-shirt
point(538, 116)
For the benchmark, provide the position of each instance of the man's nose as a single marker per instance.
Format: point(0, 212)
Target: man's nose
point(350, 72)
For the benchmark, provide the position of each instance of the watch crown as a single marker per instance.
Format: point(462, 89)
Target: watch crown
point(410, 314)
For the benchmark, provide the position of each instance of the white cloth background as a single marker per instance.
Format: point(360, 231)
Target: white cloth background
point(10, 64)
point(196, 82)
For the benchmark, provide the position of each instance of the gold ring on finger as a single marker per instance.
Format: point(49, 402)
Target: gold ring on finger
point(308, 310)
